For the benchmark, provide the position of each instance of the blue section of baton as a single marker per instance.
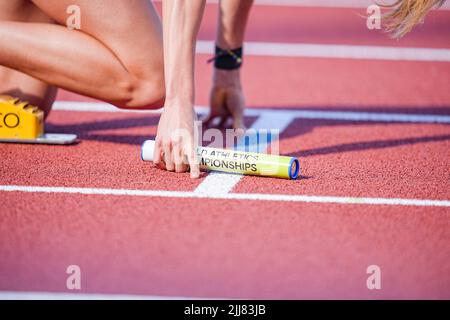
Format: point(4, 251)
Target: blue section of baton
point(296, 163)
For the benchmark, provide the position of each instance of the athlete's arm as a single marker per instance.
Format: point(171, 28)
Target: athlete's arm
point(227, 98)
point(175, 140)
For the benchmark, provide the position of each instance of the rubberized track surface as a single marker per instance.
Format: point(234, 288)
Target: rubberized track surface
point(262, 239)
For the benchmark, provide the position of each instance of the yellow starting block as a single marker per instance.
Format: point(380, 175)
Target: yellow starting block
point(21, 122)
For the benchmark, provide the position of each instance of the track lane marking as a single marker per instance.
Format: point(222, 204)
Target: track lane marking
point(325, 3)
point(229, 196)
point(316, 3)
point(79, 106)
point(336, 51)
point(220, 183)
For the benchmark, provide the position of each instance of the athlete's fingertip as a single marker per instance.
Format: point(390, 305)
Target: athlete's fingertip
point(195, 172)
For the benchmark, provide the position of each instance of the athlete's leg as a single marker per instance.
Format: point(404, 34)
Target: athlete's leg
point(117, 56)
point(15, 83)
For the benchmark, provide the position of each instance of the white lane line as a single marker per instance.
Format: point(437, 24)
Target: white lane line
point(305, 114)
point(314, 3)
point(217, 183)
point(94, 106)
point(21, 295)
point(368, 116)
point(319, 3)
point(87, 106)
point(336, 51)
point(220, 183)
point(229, 196)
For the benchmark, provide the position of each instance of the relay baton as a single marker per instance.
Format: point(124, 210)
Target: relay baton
point(240, 162)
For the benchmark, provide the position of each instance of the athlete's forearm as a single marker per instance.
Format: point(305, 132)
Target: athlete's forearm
point(181, 21)
point(227, 97)
point(232, 23)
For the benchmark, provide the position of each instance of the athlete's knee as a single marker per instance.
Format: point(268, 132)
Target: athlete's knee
point(146, 93)
point(149, 94)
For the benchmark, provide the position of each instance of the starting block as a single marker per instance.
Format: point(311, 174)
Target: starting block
point(21, 122)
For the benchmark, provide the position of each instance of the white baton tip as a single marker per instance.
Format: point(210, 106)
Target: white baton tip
point(147, 150)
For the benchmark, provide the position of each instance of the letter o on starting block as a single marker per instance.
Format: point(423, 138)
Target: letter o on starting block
point(11, 120)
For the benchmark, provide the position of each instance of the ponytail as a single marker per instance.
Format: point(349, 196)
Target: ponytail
point(405, 14)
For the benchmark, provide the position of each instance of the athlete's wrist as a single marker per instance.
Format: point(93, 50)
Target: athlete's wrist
point(180, 91)
point(227, 78)
point(179, 102)
point(227, 59)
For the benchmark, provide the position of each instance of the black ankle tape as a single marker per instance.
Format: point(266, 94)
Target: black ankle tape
point(227, 59)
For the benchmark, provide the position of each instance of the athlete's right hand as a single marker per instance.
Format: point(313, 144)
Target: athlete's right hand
point(176, 146)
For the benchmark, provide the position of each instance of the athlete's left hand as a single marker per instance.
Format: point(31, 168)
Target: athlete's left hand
point(226, 100)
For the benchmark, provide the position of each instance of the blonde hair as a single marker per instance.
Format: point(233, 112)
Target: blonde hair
point(405, 14)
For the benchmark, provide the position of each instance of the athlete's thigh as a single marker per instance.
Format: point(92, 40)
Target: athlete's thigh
point(131, 29)
point(14, 10)
point(13, 82)
point(22, 11)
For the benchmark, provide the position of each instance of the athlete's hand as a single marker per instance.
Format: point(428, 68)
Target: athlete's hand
point(226, 100)
point(176, 146)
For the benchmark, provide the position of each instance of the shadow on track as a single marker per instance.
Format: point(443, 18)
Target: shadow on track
point(92, 130)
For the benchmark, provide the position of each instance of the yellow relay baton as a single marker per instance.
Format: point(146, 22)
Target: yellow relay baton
point(240, 162)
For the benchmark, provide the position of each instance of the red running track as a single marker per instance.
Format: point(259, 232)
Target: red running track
point(210, 248)
point(240, 248)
